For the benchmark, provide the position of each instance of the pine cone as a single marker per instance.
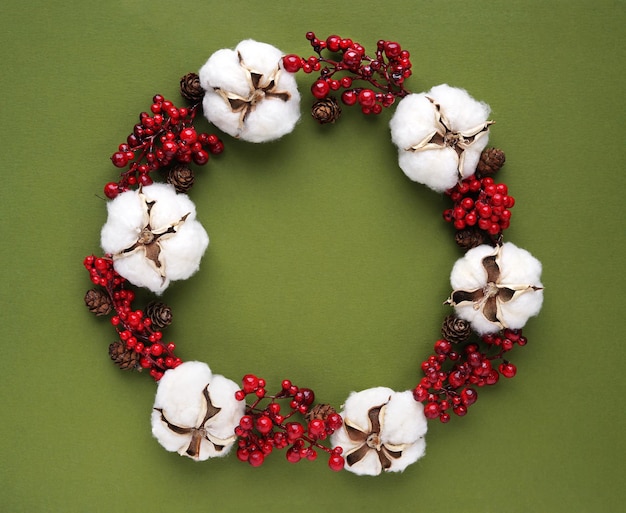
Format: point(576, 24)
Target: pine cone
point(469, 238)
point(159, 313)
point(491, 160)
point(98, 302)
point(455, 330)
point(320, 411)
point(326, 110)
point(190, 88)
point(181, 177)
point(125, 359)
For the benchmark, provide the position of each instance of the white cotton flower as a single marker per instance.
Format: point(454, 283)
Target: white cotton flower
point(248, 94)
point(382, 430)
point(153, 236)
point(440, 135)
point(496, 288)
point(195, 412)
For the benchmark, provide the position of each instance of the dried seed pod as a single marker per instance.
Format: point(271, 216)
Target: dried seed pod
point(181, 177)
point(455, 330)
point(98, 302)
point(159, 313)
point(470, 238)
point(320, 411)
point(491, 160)
point(190, 88)
point(326, 110)
point(124, 358)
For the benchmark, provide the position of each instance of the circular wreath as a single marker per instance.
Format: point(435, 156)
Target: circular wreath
point(152, 237)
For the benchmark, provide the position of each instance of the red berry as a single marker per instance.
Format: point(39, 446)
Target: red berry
point(320, 89)
point(336, 462)
point(392, 49)
point(250, 383)
point(367, 98)
point(292, 63)
point(293, 455)
point(507, 369)
point(294, 431)
point(349, 97)
point(334, 421)
point(469, 396)
point(264, 424)
point(111, 190)
point(352, 58)
point(256, 458)
point(431, 410)
point(333, 42)
point(188, 135)
point(119, 159)
point(317, 428)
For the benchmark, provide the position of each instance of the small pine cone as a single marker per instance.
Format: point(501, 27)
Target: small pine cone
point(469, 238)
point(98, 302)
point(320, 411)
point(326, 110)
point(190, 88)
point(181, 177)
point(160, 314)
point(125, 359)
point(455, 330)
point(491, 160)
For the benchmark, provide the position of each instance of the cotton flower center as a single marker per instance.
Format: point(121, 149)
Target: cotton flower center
point(373, 441)
point(145, 237)
point(491, 290)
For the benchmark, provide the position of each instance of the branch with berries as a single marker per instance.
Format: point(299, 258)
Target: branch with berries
point(373, 83)
point(163, 137)
point(266, 426)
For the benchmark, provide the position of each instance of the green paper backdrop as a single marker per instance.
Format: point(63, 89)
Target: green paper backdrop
point(326, 265)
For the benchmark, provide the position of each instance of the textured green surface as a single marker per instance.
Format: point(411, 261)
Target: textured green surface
point(326, 265)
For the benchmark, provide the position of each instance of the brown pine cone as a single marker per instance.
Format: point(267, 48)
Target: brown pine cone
point(326, 110)
point(181, 177)
point(125, 359)
point(190, 88)
point(160, 314)
point(98, 301)
point(455, 330)
point(470, 238)
point(320, 411)
point(491, 160)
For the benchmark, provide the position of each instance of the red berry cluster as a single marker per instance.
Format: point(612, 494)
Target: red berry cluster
point(133, 327)
point(265, 428)
point(384, 74)
point(441, 390)
point(163, 136)
point(481, 203)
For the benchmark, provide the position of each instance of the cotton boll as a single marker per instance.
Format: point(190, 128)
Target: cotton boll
point(153, 236)
point(263, 113)
point(396, 435)
point(440, 135)
point(519, 272)
point(180, 400)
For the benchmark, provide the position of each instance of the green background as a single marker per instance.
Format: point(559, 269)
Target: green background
point(326, 265)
